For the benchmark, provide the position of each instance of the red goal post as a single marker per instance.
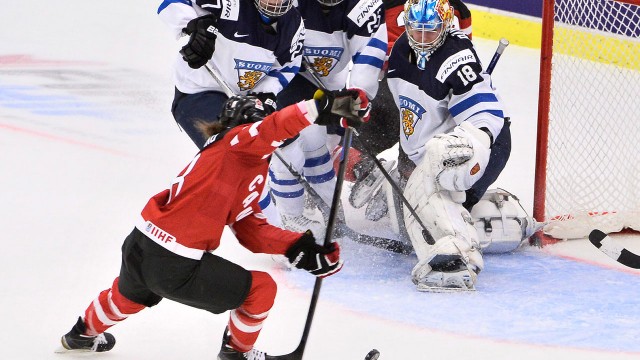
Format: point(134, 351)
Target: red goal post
point(588, 148)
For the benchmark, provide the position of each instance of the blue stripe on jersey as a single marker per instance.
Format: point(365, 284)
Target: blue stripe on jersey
point(288, 194)
point(378, 44)
point(282, 181)
point(368, 60)
point(166, 3)
point(265, 202)
point(316, 179)
point(281, 78)
point(317, 161)
point(472, 101)
point(497, 113)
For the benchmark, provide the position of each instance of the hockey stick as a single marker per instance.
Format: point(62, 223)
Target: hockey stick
point(618, 253)
point(502, 44)
point(346, 145)
point(299, 351)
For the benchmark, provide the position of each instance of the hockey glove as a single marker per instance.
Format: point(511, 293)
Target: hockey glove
point(202, 39)
point(459, 158)
point(268, 101)
point(320, 261)
point(345, 108)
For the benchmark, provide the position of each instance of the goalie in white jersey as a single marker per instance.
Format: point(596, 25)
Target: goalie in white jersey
point(454, 142)
point(254, 45)
point(338, 33)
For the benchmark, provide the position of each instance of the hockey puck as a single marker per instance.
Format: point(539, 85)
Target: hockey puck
point(372, 355)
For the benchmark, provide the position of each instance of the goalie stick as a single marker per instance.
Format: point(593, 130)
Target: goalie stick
point(343, 228)
point(612, 249)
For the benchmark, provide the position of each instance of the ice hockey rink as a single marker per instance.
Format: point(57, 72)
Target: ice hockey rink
point(86, 137)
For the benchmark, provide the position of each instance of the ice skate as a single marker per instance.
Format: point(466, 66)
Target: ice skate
point(449, 273)
point(302, 223)
point(76, 340)
point(228, 353)
point(369, 177)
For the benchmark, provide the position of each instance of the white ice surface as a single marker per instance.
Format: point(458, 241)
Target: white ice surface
point(86, 136)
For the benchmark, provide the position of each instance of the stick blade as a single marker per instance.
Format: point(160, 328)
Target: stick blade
point(618, 253)
point(596, 236)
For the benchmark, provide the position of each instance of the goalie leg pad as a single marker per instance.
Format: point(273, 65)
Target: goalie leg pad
point(501, 223)
point(450, 223)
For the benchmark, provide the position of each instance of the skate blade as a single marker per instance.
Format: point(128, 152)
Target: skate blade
point(63, 350)
point(440, 289)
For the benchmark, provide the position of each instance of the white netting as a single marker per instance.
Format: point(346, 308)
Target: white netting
point(593, 162)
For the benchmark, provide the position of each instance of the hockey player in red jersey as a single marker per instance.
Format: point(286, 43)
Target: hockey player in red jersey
point(168, 253)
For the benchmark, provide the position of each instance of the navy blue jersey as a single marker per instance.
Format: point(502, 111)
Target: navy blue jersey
point(453, 88)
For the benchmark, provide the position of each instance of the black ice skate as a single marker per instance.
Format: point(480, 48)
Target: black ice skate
point(75, 340)
point(228, 353)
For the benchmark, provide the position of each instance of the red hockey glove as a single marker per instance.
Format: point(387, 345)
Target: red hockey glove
point(342, 108)
point(319, 260)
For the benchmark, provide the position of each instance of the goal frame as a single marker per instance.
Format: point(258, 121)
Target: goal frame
point(544, 99)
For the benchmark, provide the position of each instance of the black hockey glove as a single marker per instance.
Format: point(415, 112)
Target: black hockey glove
point(202, 40)
point(342, 108)
point(268, 101)
point(319, 260)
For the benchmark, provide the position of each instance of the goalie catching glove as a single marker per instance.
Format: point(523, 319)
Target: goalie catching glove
point(345, 108)
point(202, 39)
point(319, 260)
point(459, 158)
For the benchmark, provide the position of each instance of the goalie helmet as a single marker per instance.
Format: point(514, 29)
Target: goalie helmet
point(427, 23)
point(273, 8)
point(238, 110)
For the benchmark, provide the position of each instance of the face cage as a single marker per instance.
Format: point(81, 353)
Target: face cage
point(273, 10)
point(330, 2)
point(424, 46)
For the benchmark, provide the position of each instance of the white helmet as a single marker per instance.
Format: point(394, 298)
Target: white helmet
point(427, 23)
point(273, 8)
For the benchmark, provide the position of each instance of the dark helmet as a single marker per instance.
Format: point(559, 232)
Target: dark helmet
point(242, 109)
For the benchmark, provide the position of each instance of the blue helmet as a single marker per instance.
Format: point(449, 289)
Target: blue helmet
point(427, 23)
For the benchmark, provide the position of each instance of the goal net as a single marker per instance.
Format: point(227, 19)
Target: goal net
point(588, 155)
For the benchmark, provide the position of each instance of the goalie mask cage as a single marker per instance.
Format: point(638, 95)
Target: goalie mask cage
point(588, 148)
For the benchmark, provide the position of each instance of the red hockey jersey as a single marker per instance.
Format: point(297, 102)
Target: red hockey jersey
point(221, 186)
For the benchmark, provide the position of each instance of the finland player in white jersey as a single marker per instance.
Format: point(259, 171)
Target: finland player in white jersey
point(454, 142)
point(338, 33)
point(254, 45)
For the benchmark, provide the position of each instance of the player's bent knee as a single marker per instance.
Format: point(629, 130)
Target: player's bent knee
point(262, 293)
